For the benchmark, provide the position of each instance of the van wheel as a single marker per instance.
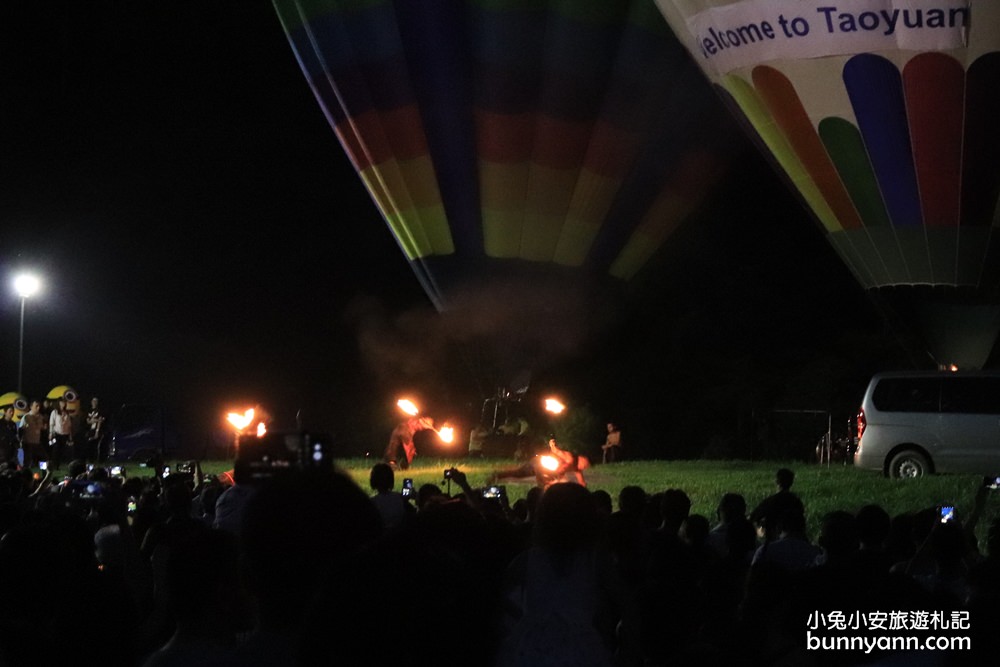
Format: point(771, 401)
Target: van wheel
point(909, 464)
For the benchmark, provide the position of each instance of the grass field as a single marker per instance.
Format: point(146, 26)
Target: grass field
point(822, 489)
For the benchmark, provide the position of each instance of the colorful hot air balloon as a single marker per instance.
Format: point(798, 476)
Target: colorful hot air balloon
point(882, 115)
point(518, 151)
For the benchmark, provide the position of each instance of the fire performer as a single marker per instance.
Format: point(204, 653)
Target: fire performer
point(571, 465)
point(401, 450)
point(559, 465)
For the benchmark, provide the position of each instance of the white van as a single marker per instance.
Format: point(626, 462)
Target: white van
point(914, 424)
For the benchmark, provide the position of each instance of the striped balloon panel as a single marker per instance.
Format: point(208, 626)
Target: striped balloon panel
point(537, 130)
point(353, 57)
point(902, 185)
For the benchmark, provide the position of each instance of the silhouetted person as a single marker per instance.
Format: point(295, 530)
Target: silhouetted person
point(732, 509)
point(769, 512)
point(299, 532)
point(205, 599)
point(791, 549)
point(602, 499)
point(670, 597)
point(231, 502)
point(873, 524)
point(391, 505)
point(9, 443)
point(95, 432)
point(564, 583)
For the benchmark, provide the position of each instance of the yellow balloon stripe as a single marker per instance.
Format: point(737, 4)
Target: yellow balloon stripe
point(502, 194)
point(757, 114)
point(416, 214)
point(548, 196)
point(592, 198)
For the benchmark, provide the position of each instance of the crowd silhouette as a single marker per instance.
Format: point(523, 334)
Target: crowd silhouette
point(303, 567)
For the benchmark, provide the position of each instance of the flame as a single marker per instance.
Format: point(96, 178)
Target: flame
point(447, 434)
point(554, 406)
point(549, 462)
point(261, 430)
point(408, 406)
point(240, 421)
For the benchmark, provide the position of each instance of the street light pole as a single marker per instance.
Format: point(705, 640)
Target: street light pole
point(20, 349)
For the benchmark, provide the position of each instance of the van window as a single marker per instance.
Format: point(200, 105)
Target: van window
point(907, 395)
point(971, 395)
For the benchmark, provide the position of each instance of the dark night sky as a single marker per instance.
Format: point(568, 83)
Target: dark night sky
point(203, 240)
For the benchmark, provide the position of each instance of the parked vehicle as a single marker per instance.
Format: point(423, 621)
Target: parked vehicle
point(139, 433)
point(914, 424)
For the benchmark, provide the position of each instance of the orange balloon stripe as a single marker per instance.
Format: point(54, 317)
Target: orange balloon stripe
point(560, 144)
point(934, 85)
point(612, 150)
point(504, 137)
point(593, 197)
point(394, 134)
point(678, 199)
point(786, 108)
point(543, 139)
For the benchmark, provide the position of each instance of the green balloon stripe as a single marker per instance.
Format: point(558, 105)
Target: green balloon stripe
point(756, 112)
point(847, 150)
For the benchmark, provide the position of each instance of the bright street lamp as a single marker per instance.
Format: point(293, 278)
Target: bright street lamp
point(25, 285)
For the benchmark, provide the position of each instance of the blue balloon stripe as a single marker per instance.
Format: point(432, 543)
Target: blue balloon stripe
point(437, 54)
point(368, 76)
point(561, 68)
point(646, 66)
point(876, 91)
point(677, 127)
point(509, 38)
point(366, 35)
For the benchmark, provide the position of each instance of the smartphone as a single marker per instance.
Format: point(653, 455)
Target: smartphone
point(494, 492)
point(166, 472)
point(947, 513)
point(132, 505)
point(407, 488)
point(991, 483)
point(43, 465)
point(117, 471)
point(90, 467)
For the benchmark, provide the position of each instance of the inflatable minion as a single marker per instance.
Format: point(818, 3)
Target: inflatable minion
point(18, 401)
point(65, 393)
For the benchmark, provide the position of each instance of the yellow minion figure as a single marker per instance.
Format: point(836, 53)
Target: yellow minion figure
point(65, 393)
point(18, 401)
